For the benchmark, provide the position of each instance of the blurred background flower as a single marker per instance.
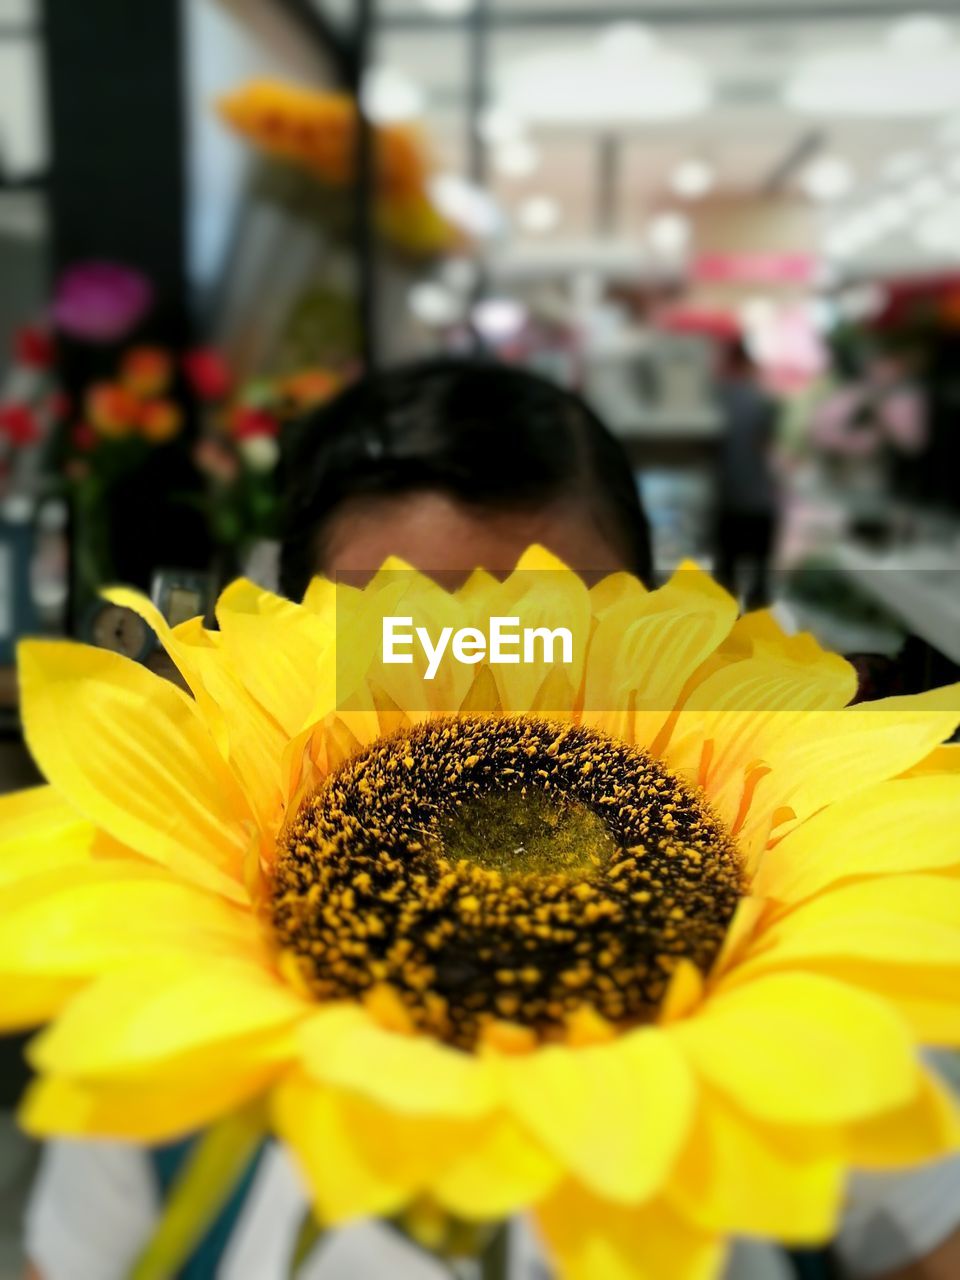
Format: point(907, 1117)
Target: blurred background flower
point(100, 301)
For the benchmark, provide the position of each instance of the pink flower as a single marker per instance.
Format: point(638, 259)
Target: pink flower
point(100, 301)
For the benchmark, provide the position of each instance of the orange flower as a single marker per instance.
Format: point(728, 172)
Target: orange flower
point(146, 371)
point(112, 409)
point(309, 387)
point(317, 131)
point(160, 420)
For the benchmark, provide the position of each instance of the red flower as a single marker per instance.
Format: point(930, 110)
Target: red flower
point(208, 373)
point(19, 424)
point(58, 405)
point(246, 422)
point(34, 347)
point(84, 437)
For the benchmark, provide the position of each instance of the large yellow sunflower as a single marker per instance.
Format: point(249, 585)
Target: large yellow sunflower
point(643, 946)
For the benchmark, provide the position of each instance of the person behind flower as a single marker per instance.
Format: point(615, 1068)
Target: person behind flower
point(449, 465)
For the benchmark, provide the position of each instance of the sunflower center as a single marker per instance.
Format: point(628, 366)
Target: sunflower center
point(503, 869)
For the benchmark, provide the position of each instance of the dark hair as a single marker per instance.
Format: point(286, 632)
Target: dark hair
point(487, 434)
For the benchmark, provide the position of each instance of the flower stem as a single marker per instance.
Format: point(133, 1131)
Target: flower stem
point(494, 1263)
point(199, 1193)
point(309, 1233)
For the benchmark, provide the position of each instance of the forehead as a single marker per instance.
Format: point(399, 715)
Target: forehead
point(441, 536)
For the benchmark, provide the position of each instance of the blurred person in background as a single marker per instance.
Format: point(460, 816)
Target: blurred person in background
point(746, 486)
point(449, 464)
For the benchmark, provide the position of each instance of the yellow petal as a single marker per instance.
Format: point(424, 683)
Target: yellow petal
point(138, 1111)
point(86, 919)
point(282, 652)
point(30, 999)
point(825, 756)
point(909, 920)
point(905, 825)
point(614, 1114)
point(732, 718)
point(644, 651)
point(737, 1176)
point(590, 1239)
point(360, 1160)
point(130, 752)
point(142, 1019)
point(248, 737)
point(403, 593)
point(342, 1045)
point(925, 1128)
point(542, 593)
point(612, 590)
point(797, 1048)
point(943, 759)
point(499, 1172)
point(40, 832)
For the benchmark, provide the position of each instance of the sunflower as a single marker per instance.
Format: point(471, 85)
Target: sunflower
point(642, 945)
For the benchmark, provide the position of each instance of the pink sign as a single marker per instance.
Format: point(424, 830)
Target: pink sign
point(756, 268)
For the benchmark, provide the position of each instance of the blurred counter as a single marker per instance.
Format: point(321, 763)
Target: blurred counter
point(920, 585)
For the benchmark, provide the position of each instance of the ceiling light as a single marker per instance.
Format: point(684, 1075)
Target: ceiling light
point(581, 87)
point(918, 33)
point(466, 205)
point(516, 159)
point(390, 97)
point(827, 178)
point(459, 274)
point(949, 131)
point(840, 244)
point(499, 318)
point(497, 125)
point(627, 40)
point(890, 212)
point(924, 192)
point(903, 164)
point(877, 82)
point(938, 230)
point(447, 8)
point(669, 233)
point(693, 179)
point(538, 214)
point(434, 305)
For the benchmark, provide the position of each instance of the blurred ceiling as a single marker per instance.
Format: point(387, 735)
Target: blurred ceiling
point(567, 165)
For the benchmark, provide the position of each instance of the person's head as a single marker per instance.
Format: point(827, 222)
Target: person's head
point(454, 464)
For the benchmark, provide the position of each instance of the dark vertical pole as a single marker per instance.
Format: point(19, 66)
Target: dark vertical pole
point(478, 94)
point(116, 110)
point(117, 191)
point(365, 192)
